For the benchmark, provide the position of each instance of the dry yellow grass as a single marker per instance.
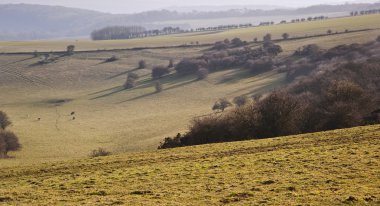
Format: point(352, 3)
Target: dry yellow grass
point(297, 29)
point(106, 115)
point(331, 168)
point(125, 120)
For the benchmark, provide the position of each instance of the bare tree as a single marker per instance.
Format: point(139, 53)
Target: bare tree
point(70, 49)
point(4, 120)
point(8, 142)
point(241, 100)
point(221, 105)
point(285, 36)
point(142, 64)
point(267, 38)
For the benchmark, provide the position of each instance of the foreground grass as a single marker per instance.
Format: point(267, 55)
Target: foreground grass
point(330, 168)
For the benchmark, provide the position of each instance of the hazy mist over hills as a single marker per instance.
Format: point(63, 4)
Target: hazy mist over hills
point(133, 6)
point(31, 22)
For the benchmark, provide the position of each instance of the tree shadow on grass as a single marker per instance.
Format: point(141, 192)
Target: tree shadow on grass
point(122, 73)
point(167, 89)
point(112, 91)
point(237, 74)
point(10, 63)
point(170, 79)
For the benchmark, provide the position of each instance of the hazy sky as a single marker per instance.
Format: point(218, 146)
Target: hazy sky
point(130, 6)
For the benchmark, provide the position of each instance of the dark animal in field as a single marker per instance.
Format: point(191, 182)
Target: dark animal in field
point(72, 113)
point(74, 118)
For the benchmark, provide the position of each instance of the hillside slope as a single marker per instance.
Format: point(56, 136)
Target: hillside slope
point(331, 168)
point(33, 22)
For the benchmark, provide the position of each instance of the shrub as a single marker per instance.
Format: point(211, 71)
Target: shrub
point(190, 66)
point(285, 36)
point(259, 66)
point(171, 63)
point(131, 81)
point(159, 71)
point(241, 101)
point(220, 45)
point(272, 49)
point(255, 40)
point(279, 114)
point(8, 142)
point(308, 50)
point(221, 105)
point(234, 126)
point(111, 59)
point(222, 63)
point(171, 142)
point(227, 41)
point(142, 64)
point(303, 68)
point(237, 42)
point(344, 104)
point(329, 31)
point(4, 120)
point(100, 152)
point(158, 86)
point(267, 38)
point(202, 73)
point(70, 49)
point(378, 39)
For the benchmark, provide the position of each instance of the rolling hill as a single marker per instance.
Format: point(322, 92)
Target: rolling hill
point(65, 108)
point(130, 120)
point(33, 22)
point(330, 168)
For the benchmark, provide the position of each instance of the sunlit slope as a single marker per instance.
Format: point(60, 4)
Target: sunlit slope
point(106, 115)
point(330, 168)
point(296, 29)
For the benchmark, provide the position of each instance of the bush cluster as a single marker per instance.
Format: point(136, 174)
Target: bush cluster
point(159, 71)
point(325, 93)
point(8, 140)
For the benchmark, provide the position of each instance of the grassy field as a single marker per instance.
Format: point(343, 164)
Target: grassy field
point(106, 114)
point(298, 29)
point(128, 120)
point(331, 168)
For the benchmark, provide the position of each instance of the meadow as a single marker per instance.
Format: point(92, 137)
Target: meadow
point(248, 34)
point(330, 168)
point(133, 120)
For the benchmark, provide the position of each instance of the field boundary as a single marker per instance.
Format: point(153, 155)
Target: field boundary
point(184, 45)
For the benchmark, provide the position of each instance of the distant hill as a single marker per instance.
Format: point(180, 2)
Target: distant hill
point(223, 8)
point(30, 22)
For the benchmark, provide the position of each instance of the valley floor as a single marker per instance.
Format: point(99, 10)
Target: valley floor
point(330, 168)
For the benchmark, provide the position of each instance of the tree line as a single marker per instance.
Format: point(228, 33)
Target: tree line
point(130, 32)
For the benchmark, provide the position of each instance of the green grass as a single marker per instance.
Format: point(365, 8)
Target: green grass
point(297, 29)
point(331, 168)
